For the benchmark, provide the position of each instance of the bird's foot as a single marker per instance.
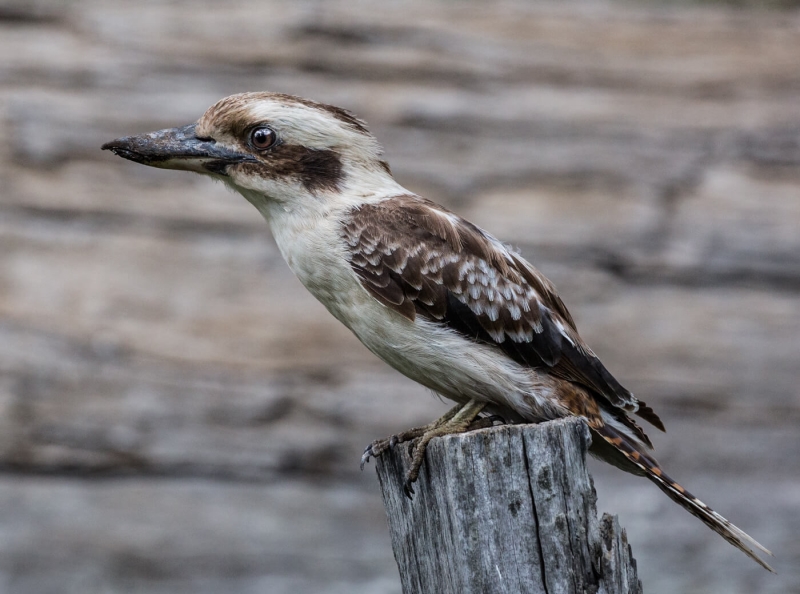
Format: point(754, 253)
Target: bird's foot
point(379, 446)
point(458, 420)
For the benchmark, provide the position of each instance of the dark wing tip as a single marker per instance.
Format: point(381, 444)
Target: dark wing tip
point(649, 415)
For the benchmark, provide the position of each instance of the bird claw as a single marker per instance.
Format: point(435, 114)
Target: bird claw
point(379, 446)
point(408, 489)
point(376, 448)
point(365, 457)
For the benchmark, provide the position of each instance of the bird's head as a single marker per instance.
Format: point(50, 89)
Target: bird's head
point(272, 148)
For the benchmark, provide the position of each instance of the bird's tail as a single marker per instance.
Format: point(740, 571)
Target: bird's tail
point(648, 465)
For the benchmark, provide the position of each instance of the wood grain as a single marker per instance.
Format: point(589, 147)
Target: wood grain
point(505, 510)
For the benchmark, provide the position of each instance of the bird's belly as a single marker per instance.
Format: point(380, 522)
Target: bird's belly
point(450, 364)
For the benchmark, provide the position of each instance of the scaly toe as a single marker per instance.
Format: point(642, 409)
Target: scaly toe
point(412, 445)
point(373, 450)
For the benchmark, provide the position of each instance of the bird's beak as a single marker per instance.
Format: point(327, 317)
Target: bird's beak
point(177, 148)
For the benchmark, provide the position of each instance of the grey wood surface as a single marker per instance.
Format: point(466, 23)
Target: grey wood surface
point(506, 510)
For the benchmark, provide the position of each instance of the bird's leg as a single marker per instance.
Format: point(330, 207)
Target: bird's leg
point(456, 423)
point(377, 447)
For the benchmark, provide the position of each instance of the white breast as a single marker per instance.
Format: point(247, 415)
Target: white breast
point(429, 353)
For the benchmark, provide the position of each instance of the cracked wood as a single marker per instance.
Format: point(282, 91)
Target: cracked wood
point(505, 510)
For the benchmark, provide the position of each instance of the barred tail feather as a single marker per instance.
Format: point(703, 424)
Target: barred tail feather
point(734, 535)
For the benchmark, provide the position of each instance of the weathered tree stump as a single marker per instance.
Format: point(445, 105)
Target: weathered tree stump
point(509, 509)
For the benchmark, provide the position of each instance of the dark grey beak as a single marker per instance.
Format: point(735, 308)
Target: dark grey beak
point(177, 148)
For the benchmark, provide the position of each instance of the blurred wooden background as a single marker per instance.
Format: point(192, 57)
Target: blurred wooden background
point(177, 415)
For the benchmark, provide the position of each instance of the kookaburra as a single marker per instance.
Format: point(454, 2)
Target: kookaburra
point(436, 297)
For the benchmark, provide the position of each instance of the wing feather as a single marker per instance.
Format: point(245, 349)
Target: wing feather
point(420, 259)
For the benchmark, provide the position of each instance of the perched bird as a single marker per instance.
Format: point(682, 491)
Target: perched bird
point(436, 297)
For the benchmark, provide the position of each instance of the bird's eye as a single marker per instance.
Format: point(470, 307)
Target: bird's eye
point(262, 138)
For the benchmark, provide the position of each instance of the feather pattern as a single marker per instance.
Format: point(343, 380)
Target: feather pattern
point(419, 259)
point(652, 470)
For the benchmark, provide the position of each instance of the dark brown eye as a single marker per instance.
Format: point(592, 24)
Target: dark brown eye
point(262, 138)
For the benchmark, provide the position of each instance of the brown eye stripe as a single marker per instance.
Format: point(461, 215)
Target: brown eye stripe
point(315, 169)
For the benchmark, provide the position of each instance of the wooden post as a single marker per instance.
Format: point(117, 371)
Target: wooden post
point(508, 510)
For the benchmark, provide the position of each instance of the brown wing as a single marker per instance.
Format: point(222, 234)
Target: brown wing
point(419, 259)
